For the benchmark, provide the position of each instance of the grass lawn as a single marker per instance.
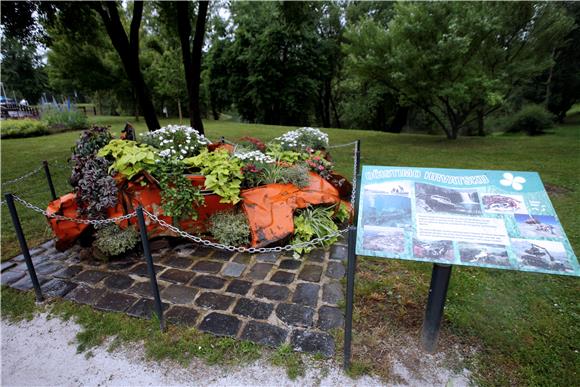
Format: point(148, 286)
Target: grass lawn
point(525, 327)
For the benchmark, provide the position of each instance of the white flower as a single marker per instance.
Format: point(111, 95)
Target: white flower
point(516, 182)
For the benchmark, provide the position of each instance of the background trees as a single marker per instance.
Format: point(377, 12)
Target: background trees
point(373, 65)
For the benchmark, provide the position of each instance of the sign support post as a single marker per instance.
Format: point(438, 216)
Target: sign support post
point(435, 306)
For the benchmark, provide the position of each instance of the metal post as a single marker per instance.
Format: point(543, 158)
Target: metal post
point(49, 179)
point(350, 272)
point(435, 304)
point(23, 246)
point(150, 267)
point(351, 264)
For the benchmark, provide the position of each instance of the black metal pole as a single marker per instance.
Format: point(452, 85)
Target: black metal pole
point(435, 305)
point(49, 179)
point(351, 266)
point(350, 272)
point(23, 246)
point(150, 267)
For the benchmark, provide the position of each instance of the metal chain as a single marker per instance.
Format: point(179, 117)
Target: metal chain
point(76, 220)
point(25, 176)
point(341, 145)
point(240, 249)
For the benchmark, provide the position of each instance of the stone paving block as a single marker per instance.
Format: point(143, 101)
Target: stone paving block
point(272, 292)
point(233, 269)
point(223, 255)
point(220, 324)
point(91, 276)
point(267, 257)
point(144, 289)
point(239, 287)
point(339, 252)
point(179, 294)
point(18, 258)
point(282, 277)
point(295, 315)
point(290, 264)
point(330, 318)
point(214, 301)
point(115, 302)
point(118, 281)
point(253, 309)
point(84, 294)
point(311, 273)
point(57, 288)
point(312, 342)
point(68, 272)
point(203, 252)
point(10, 277)
point(144, 308)
point(177, 276)
point(243, 258)
point(316, 255)
point(259, 271)
point(26, 283)
point(47, 268)
point(332, 293)
point(7, 265)
point(208, 282)
point(264, 334)
point(121, 265)
point(158, 244)
point(141, 269)
point(20, 267)
point(48, 244)
point(178, 262)
point(182, 315)
point(335, 270)
point(207, 266)
point(306, 294)
point(38, 259)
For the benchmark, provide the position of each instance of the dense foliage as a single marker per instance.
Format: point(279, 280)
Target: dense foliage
point(113, 240)
point(230, 228)
point(531, 119)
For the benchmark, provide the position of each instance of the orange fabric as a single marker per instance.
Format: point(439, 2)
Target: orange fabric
point(270, 208)
point(66, 231)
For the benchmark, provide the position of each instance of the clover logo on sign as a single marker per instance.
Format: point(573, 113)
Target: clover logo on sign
point(516, 182)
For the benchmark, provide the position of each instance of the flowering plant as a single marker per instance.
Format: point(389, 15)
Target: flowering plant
point(317, 163)
point(303, 138)
point(252, 143)
point(176, 141)
point(254, 157)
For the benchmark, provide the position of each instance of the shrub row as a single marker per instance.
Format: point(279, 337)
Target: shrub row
point(53, 121)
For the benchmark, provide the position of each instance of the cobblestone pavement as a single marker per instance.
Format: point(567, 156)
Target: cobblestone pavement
point(270, 299)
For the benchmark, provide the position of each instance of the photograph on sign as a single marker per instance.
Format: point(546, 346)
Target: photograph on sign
point(497, 219)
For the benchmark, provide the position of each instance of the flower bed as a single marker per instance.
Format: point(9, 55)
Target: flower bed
point(251, 194)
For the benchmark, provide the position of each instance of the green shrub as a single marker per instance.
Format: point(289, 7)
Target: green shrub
point(111, 240)
point(532, 119)
point(64, 120)
point(23, 128)
point(230, 228)
point(275, 173)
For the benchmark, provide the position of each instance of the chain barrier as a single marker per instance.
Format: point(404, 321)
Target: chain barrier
point(96, 222)
point(252, 250)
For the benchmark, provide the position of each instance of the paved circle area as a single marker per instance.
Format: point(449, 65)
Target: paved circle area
point(270, 299)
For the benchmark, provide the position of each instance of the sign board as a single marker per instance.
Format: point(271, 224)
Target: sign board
point(495, 219)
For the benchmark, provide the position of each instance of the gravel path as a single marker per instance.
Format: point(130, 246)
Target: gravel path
point(42, 352)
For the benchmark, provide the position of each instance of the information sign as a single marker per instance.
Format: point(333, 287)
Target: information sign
point(497, 219)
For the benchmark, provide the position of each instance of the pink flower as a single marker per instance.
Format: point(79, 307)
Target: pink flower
point(320, 168)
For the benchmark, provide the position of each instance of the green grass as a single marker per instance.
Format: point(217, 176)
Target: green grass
point(525, 325)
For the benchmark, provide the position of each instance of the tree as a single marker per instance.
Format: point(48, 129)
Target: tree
point(128, 49)
point(457, 61)
point(191, 55)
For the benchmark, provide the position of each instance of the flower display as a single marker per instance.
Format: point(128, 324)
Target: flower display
point(176, 141)
point(317, 163)
point(303, 138)
point(254, 157)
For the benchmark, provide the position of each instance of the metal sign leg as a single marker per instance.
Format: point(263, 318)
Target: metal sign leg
point(49, 179)
point(435, 305)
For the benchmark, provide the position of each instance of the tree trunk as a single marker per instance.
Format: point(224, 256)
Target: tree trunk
point(480, 122)
point(128, 50)
point(192, 59)
point(400, 119)
point(179, 109)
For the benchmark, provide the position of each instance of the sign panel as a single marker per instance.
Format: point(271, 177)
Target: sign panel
point(495, 219)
